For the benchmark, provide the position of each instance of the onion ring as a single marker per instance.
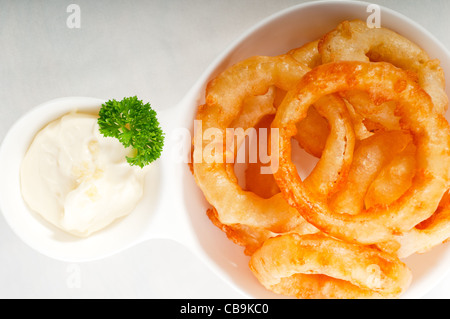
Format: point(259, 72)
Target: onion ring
point(367, 116)
point(308, 54)
point(318, 266)
point(393, 180)
point(332, 168)
point(224, 98)
point(245, 233)
point(254, 108)
point(370, 157)
point(323, 180)
point(355, 41)
point(430, 131)
point(424, 236)
point(313, 130)
point(427, 234)
point(263, 185)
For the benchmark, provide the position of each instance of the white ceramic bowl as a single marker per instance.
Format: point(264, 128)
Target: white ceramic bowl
point(173, 207)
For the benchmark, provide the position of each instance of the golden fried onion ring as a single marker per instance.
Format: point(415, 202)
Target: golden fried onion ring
point(263, 185)
point(428, 234)
point(424, 236)
point(371, 156)
point(355, 41)
point(383, 82)
point(224, 100)
point(332, 168)
point(393, 179)
point(318, 266)
point(324, 180)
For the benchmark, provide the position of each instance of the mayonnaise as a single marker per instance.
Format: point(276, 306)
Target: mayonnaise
point(76, 178)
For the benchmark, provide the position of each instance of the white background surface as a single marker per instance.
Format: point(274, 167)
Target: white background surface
point(155, 50)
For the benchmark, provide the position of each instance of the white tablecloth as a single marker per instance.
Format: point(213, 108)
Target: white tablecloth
point(155, 50)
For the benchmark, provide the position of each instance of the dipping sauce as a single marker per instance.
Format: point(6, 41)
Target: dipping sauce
point(76, 178)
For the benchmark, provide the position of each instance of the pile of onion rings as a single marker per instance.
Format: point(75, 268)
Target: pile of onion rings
point(369, 105)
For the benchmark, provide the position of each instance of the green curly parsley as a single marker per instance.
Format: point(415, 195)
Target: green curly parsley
point(134, 124)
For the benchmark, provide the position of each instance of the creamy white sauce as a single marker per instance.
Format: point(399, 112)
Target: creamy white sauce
point(76, 178)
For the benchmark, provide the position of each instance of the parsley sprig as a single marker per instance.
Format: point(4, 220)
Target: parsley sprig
point(134, 124)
